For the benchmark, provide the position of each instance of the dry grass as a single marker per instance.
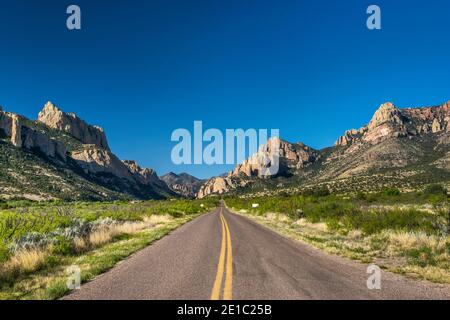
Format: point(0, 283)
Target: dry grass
point(279, 217)
point(408, 240)
point(80, 245)
point(26, 261)
point(107, 234)
point(158, 219)
point(414, 253)
point(100, 237)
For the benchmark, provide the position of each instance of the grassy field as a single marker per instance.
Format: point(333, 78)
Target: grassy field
point(38, 242)
point(405, 233)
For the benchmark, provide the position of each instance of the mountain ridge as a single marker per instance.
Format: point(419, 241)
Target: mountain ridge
point(394, 139)
point(72, 150)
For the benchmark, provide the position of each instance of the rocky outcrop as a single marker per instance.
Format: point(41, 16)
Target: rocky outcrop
point(23, 136)
point(95, 160)
point(35, 140)
point(390, 122)
point(288, 155)
point(145, 176)
point(275, 158)
point(220, 185)
point(5, 124)
point(54, 118)
point(16, 132)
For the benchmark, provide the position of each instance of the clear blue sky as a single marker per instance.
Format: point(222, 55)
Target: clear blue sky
point(141, 69)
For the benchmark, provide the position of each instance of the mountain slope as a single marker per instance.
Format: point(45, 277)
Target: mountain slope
point(60, 156)
point(183, 183)
point(405, 148)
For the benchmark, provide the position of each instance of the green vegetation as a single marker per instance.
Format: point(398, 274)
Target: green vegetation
point(25, 174)
point(370, 213)
point(404, 232)
point(38, 242)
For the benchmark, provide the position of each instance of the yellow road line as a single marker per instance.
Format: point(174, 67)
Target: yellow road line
point(228, 290)
point(226, 248)
point(215, 294)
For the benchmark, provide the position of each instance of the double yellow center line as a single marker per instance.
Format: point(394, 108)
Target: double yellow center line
point(225, 264)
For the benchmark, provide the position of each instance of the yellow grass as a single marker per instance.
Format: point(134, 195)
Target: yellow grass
point(26, 261)
point(425, 256)
point(106, 234)
point(101, 236)
point(32, 260)
point(80, 245)
point(277, 217)
point(158, 219)
point(409, 240)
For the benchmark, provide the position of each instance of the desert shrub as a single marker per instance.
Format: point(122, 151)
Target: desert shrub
point(348, 214)
point(62, 246)
point(4, 253)
point(435, 189)
point(331, 209)
point(79, 228)
point(3, 204)
point(391, 192)
point(361, 196)
point(321, 191)
point(31, 241)
point(374, 221)
point(423, 256)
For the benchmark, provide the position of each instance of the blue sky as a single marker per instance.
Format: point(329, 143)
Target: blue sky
point(141, 69)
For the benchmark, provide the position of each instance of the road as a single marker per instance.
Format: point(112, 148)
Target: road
point(221, 255)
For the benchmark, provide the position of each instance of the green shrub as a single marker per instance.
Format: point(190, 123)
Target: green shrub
point(391, 192)
point(333, 224)
point(62, 246)
point(423, 256)
point(322, 191)
point(347, 214)
point(361, 196)
point(435, 189)
point(4, 253)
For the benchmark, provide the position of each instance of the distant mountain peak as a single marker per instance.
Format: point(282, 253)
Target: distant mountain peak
point(183, 183)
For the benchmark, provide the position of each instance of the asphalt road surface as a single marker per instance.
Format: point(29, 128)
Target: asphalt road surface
point(221, 255)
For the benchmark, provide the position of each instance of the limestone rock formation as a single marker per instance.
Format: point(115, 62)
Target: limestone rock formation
point(21, 135)
point(275, 158)
point(399, 141)
point(98, 172)
point(220, 185)
point(289, 156)
point(390, 122)
point(5, 124)
point(16, 133)
point(54, 118)
point(143, 175)
point(94, 160)
point(35, 140)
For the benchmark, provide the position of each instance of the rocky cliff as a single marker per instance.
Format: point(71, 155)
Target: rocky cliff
point(391, 122)
point(70, 123)
point(16, 129)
